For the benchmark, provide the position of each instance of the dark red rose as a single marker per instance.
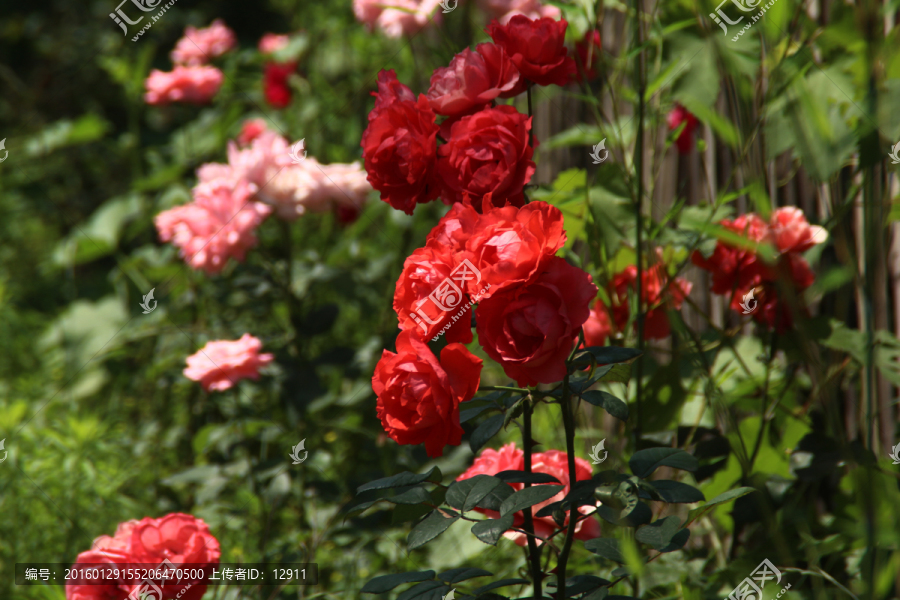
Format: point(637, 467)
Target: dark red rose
point(275, 86)
point(419, 396)
point(530, 331)
point(472, 80)
point(656, 298)
point(389, 91)
point(685, 140)
point(536, 47)
point(487, 159)
point(588, 51)
point(399, 148)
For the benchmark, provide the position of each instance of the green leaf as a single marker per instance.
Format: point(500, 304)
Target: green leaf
point(427, 590)
point(386, 583)
point(728, 496)
point(490, 531)
point(416, 495)
point(607, 548)
point(485, 431)
point(469, 413)
point(665, 535)
point(434, 525)
point(404, 513)
point(620, 373)
point(401, 480)
point(607, 355)
point(580, 135)
point(466, 494)
point(608, 402)
point(621, 497)
point(677, 492)
point(528, 497)
point(499, 584)
point(496, 497)
point(525, 477)
point(644, 462)
point(462, 574)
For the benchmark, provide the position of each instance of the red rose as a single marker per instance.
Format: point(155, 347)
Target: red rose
point(536, 47)
point(425, 303)
point(487, 159)
point(790, 231)
point(389, 91)
point(511, 246)
point(656, 298)
point(588, 51)
point(597, 328)
point(275, 86)
point(180, 538)
point(552, 462)
point(733, 268)
point(419, 396)
point(472, 80)
point(530, 331)
point(399, 148)
point(685, 140)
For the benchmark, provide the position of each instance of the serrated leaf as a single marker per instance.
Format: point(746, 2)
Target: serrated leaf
point(499, 584)
point(404, 513)
point(496, 497)
point(728, 496)
point(677, 492)
point(490, 531)
point(462, 574)
point(386, 583)
point(416, 495)
point(512, 476)
point(434, 525)
point(644, 462)
point(485, 431)
point(607, 548)
point(469, 413)
point(401, 480)
point(608, 402)
point(466, 494)
point(427, 590)
point(528, 497)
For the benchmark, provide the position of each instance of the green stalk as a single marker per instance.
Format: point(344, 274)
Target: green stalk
point(534, 553)
point(569, 425)
point(639, 173)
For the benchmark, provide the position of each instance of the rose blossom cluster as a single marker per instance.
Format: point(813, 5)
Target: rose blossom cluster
point(659, 293)
point(220, 364)
point(275, 74)
point(261, 176)
point(736, 271)
point(531, 306)
point(397, 18)
point(485, 156)
point(551, 462)
point(191, 80)
point(176, 537)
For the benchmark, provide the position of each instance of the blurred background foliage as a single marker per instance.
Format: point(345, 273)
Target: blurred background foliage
point(102, 427)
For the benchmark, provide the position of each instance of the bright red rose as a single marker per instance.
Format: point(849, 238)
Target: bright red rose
point(275, 85)
point(487, 159)
point(552, 462)
point(656, 298)
point(685, 140)
point(511, 246)
point(399, 148)
point(389, 91)
point(105, 550)
point(536, 47)
point(588, 51)
point(597, 328)
point(530, 331)
point(425, 303)
point(419, 396)
point(472, 80)
point(453, 231)
point(790, 231)
point(733, 268)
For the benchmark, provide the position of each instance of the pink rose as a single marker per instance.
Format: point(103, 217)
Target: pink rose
point(790, 231)
point(472, 80)
point(199, 45)
point(397, 18)
point(220, 364)
point(219, 224)
point(504, 10)
point(273, 42)
point(195, 85)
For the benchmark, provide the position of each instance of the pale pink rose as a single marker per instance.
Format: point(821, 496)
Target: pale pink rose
point(397, 18)
point(273, 42)
point(791, 232)
point(504, 10)
point(219, 224)
point(195, 85)
point(267, 154)
point(346, 184)
point(311, 186)
point(221, 364)
point(212, 171)
point(198, 46)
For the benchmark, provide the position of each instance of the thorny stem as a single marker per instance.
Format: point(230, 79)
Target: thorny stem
point(569, 425)
point(533, 552)
point(639, 174)
point(765, 397)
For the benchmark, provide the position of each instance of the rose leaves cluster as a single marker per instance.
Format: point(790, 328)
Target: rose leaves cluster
point(481, 153)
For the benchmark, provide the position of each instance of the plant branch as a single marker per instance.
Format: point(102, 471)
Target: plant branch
point(569, 425)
